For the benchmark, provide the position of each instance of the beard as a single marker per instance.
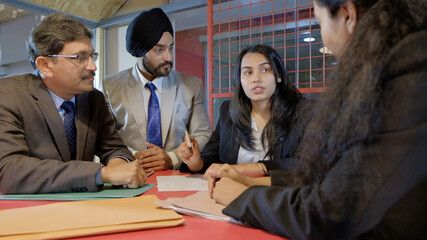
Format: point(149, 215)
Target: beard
point(156, 71)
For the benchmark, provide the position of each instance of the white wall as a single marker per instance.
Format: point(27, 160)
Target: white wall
point(16, 68)
point(116, 57)
point(13, 53)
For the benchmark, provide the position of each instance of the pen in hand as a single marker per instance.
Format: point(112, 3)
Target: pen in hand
point(188, 142)
point(149, 173)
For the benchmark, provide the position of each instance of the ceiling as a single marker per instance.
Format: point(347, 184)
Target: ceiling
point(91, 11)
point(9, 13)
point(95, 10)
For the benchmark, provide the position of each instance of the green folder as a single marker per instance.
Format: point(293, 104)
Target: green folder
point(107, 192)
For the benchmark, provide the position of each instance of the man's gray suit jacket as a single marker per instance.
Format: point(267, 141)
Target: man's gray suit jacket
point(182, 108)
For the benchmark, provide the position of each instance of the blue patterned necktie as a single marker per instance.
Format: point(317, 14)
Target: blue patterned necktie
point(154, 129)
point(70, 127)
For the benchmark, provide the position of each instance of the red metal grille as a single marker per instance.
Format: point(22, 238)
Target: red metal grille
point(288, 26)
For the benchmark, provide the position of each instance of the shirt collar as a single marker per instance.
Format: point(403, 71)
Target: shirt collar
point(253, 124)
point(58, 100)
point(157, 81)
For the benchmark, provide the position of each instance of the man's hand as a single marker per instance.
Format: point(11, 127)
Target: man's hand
point(120, 172)
point(154, 158)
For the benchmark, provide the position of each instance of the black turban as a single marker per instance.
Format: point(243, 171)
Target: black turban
point(145, 31)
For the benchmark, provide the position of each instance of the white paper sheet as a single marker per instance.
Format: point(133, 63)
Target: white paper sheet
point(168, 205)
point(182, 183)
point(198, 204)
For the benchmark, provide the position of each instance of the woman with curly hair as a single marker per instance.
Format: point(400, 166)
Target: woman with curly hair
point(363, 172)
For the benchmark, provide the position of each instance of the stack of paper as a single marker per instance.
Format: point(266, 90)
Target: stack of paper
point(199, 204)
point(82, 218)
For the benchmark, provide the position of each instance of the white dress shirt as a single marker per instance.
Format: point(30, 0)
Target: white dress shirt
point(252, 156)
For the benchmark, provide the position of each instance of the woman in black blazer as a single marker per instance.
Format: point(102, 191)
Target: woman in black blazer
point(262, 107)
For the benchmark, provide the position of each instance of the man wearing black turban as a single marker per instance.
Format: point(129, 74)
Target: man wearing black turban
point(149, 38)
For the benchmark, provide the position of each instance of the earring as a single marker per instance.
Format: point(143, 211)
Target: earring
point(279, 80)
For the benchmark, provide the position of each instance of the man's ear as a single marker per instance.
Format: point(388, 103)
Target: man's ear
point(44, 65)
point(349, 9)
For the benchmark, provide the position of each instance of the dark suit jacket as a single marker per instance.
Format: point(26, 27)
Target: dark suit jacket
point(395, 158)
point(34, 154)
point(224, 148)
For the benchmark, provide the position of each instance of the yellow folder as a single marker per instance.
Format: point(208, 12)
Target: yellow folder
point(82, 218)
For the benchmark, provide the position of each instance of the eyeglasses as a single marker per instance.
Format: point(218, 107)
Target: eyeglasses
point(82, 59)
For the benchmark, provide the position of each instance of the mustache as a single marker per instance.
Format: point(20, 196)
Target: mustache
point(164, 64)
point(89, 75)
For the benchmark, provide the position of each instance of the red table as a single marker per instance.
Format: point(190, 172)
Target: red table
point(193, 228)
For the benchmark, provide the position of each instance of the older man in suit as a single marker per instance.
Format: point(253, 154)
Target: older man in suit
point(53, 122)
point(152, 104)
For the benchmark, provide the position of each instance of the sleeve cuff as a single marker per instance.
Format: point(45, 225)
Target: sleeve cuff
point(124, 158)
point(176, 163)
point(98, 179)
point(134, 152)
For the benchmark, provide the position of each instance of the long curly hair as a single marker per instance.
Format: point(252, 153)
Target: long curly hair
point(353, 108)
point(283, 104)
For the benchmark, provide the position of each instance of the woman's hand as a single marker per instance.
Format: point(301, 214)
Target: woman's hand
point(191, 157)
point(217, 171)
point(226, 190)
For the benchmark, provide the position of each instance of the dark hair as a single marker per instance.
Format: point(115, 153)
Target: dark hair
point(52, 33)
point(353, 109)
point(334, 5)
point(283, 104)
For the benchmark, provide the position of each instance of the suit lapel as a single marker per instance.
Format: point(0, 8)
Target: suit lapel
point(82, 123)
point(136, 103)
point(53, 120)
point(168, 103)
point(234, 147)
